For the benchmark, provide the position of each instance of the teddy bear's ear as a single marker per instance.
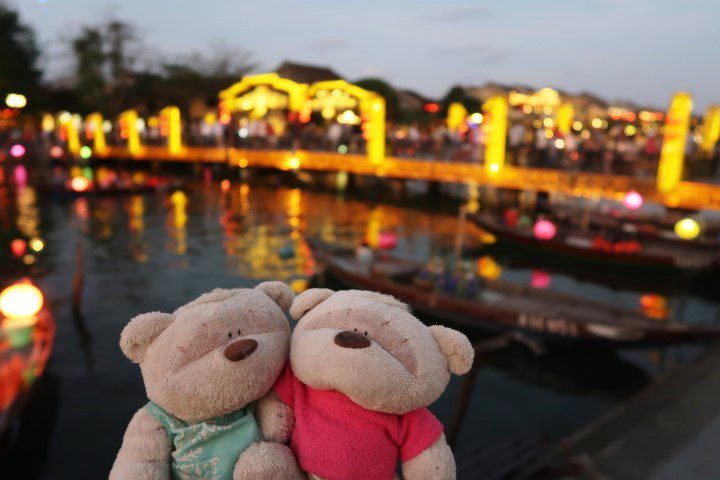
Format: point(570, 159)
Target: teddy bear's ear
point(308, 300)
point(142, 330)
point(456, 347)
point(279, 292)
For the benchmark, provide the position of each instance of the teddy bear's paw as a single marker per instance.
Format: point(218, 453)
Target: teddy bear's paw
point(267, 461)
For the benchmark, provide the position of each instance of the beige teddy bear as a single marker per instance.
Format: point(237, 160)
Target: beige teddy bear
point(204, 367)
point(362, 370)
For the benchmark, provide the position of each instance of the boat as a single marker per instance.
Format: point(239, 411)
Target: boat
point(23, 356)
point(590, 244)
point(501, 305)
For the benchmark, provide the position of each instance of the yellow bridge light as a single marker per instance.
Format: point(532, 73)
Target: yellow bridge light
point(495, 129)
point(171, 118)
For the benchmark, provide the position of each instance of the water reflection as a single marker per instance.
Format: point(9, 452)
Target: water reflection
point(156, 251)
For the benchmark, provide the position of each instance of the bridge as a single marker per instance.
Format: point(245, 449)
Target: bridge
point(256, 95)
point(688, 195)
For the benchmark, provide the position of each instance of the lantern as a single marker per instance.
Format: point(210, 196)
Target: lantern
point(633, 200)
point(18, 247)
point(488, 268)
point(540, 279)
point(80, 184)
point(544, 230)
point(19, 305)
point(387, 240)
point(17, 151)
point(687, 229)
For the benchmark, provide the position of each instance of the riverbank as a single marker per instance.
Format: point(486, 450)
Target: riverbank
point(669, 431)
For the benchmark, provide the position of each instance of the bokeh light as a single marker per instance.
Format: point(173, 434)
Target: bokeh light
point(687, 229)
point(21, 300)
point(544, 230)
point(633, 200)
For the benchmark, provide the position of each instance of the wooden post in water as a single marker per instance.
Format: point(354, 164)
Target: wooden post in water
point(460, 236)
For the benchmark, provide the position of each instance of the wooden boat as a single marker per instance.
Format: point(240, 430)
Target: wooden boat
point(647, 228)
point(23, 357)
point(506, 306)
point(569, 240)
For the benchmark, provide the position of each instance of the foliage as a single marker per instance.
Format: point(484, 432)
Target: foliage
point(392, 104)
point(18, 55)
point(457, 94)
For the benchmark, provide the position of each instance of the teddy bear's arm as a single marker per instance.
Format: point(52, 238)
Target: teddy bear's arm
point(145, 451)
point(276, 419)
point(435, 463)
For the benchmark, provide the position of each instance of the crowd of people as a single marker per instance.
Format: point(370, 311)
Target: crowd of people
point(618, 148)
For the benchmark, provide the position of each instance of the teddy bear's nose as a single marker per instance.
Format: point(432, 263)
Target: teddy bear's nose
point(240, 350)
point(348, 339)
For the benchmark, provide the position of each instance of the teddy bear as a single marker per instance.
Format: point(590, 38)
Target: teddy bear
point(204, 367)
point(362, 371)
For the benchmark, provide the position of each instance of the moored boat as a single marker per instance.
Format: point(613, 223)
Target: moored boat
point(500, 305)
point(25, 346)
point(593, 245)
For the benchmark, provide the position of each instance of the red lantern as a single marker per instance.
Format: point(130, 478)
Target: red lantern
point(18, 247)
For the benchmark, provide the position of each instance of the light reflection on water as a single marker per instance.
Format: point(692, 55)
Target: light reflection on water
point(157, 251)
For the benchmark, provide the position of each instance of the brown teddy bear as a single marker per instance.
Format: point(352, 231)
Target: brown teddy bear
point(362, 370)
point(204, 367)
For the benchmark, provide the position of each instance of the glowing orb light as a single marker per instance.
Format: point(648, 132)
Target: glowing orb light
point(293, 163)
point(540, 279)
point(17, 151)
point(687, 229)
point(85, 152)
point(20, 301)
point(18, 247)
point(37, 244)
point(225, 185)
point(15, 100)
point(488, 268)
point(387, 240)
point(632, 200)
point(80, 184)
point(544, 230)
point(56, 151)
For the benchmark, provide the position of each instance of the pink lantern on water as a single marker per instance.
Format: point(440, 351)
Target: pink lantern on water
point(544, 230)
point(633, 200)
point(17, 151)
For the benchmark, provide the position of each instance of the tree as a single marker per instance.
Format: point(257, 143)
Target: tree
point(385, 90)
point(457, 94)
point(90, 69)
point(18, 55)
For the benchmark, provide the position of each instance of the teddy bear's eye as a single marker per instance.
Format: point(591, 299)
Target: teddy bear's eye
point(355, 329)
point(366, 334)
point(239, 332)
point(230, 335)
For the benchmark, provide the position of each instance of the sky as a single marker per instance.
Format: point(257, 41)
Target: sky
point(639, 50)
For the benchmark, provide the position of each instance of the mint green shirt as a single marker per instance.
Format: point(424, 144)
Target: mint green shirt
point(210, 449)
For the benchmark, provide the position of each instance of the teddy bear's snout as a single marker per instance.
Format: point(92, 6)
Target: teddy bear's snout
point(348, 339)
point(240, 350)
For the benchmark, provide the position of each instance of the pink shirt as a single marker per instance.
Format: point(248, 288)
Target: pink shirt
point(337, 439)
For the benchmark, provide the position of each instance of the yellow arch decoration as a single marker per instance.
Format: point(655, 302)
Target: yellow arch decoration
point(672, 155)
point(331, 95)
point(171, 117)
point(296, 93)
point(130, 118)
point(95, 122)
